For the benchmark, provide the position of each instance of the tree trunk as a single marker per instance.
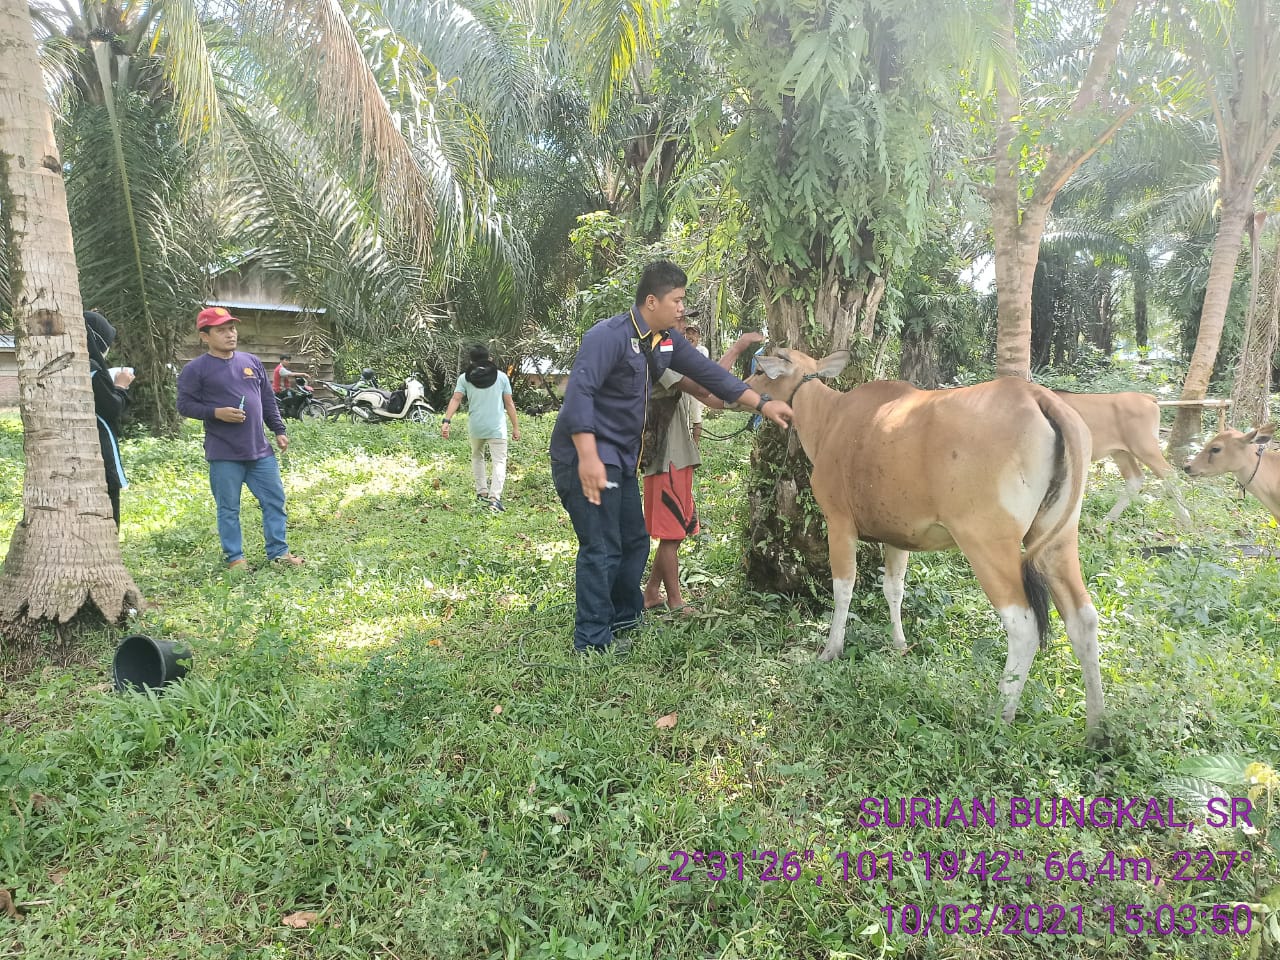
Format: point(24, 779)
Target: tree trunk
point(786, 533)
point(919, 361)
point(1251, 391)
point(1141, 332)
point(1017, 250)
point(65, 553)
point(1222, 272)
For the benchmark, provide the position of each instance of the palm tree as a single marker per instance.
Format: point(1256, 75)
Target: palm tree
point(385, 169)
point(363, 175)
point(1234, 50)
point(64, 556)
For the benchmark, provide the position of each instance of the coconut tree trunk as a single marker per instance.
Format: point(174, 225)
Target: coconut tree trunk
point(1251, 391)
point(1222, 271)
point(64, 556)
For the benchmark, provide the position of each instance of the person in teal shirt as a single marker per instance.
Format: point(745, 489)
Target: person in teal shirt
point(487, 392)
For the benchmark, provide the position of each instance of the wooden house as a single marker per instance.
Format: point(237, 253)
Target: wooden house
point(273, 322)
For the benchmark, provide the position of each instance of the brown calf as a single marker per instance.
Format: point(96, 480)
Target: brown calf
point(985, 468)
point(1125, 426)
point(1243, 455)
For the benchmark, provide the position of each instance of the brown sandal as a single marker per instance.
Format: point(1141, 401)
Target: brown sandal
point(288, 559)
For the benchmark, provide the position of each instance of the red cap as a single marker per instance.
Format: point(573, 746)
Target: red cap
point(214, 317)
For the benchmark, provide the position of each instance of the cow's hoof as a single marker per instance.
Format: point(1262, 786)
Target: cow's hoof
point(826, 656)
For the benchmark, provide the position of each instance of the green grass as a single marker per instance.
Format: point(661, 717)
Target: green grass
point(397, 738)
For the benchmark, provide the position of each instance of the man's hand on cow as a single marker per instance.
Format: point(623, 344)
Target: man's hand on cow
point(779, 412)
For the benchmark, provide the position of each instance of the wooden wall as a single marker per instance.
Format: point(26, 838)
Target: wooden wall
point(268, 334)
point(275, 323)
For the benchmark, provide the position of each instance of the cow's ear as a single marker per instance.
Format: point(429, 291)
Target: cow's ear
point(774, 367)
point(834, 364)
point(1264, 433)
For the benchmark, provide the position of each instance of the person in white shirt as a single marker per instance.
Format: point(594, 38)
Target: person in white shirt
point(487, 392)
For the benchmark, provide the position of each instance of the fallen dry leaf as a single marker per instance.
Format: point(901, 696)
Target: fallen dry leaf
point(497, 709)
point(301, 919)
point(666, 723)
point(435, 484)
point(56, 877)
point(6, 904)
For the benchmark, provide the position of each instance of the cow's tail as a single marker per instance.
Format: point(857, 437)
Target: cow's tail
point(1060, 507)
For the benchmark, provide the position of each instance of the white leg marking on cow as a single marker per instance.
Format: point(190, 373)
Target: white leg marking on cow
point(1082, 631)
point(1024, 641)
point(1131, 487)
point(835, 640)
point(895, 574)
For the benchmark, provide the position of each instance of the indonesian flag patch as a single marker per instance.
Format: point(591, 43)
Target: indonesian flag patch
point(666, 346)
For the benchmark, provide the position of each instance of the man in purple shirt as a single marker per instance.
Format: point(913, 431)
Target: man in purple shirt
point(231, 394)
point(595, 445)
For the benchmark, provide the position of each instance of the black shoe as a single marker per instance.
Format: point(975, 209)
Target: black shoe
point(496, 506)
point(482, 499)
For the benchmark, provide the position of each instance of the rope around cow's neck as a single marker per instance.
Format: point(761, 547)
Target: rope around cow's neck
point(803, 380)
point(1245, 486)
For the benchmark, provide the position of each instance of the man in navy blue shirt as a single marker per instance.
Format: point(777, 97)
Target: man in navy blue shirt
point(595, 445)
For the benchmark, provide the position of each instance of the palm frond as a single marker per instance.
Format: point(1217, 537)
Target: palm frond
point(187, 67)
point(321, 230)
point(308, 58)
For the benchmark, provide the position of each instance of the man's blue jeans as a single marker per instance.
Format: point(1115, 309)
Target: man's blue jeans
point(262, 477)
point(613, 547)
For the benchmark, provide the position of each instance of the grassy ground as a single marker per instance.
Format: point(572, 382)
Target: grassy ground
point(391, 753)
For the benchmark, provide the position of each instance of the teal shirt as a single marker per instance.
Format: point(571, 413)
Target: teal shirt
point(486, 415)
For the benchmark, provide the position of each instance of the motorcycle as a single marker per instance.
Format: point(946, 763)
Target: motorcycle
point(371, 404)
point(340, 403)
point(299, 401)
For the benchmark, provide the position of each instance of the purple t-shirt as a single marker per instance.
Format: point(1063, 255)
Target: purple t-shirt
point(209, 382)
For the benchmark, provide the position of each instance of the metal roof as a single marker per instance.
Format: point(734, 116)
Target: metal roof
point(251, 305)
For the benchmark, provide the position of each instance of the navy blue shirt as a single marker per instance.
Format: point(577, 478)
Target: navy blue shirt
point(608, 388)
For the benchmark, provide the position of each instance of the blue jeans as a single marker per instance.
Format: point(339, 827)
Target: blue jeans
point(262, 477)
point(613, 547)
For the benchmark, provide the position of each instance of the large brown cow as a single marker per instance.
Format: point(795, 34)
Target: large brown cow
point(1125, 426)
point(1245, 456)
point(984, 468)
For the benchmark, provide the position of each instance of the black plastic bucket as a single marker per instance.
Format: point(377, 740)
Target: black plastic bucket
point(143, 663)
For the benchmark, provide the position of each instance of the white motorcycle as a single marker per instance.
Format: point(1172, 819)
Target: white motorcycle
point(374, 405)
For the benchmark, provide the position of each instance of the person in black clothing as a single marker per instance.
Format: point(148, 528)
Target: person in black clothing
point(110, 400)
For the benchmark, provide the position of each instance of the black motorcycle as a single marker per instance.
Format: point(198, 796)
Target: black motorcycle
point(299, 401)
